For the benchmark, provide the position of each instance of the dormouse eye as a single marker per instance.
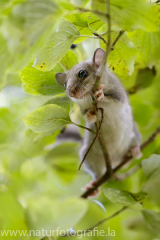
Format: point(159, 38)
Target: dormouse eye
point(82, 74)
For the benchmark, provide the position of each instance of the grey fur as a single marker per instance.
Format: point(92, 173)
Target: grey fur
point(118, 128)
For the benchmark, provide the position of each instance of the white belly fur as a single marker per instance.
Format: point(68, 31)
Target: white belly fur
point(117, 131)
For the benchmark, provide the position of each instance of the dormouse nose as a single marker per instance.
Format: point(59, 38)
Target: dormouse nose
point(73, 91)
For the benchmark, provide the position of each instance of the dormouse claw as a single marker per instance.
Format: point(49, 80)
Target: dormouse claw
point(99, 93)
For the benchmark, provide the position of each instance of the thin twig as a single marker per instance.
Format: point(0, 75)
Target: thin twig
point(105, 154)
point(98, 77)
point(100, 37)
point(109, 30)
point(108, 218)
point(92, 11)
point(69, 234)
point(96, 225)
point(108, 46)
point(88, 36)
point(126, 159)
point(151, 138)
point(90, 130)
point(116, 40)
point(98, 132)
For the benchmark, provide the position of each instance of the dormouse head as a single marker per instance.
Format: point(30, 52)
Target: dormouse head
point(79, 81)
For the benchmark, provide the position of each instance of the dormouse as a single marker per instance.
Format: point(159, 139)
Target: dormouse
point(118, 128)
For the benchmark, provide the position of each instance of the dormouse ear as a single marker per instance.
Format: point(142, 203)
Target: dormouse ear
point(98, 56)
point(60, 78)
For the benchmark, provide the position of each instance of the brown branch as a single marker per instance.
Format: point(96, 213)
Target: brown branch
point(98, 77)
point(98, 132)
point(126, 159)
point(100, 37)
point(117, 38)
point(108, 174)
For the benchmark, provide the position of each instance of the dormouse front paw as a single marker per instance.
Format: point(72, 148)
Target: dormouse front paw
point(99, 93)
point(90, 116)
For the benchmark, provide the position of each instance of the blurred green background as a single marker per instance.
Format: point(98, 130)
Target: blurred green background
point(40, 183)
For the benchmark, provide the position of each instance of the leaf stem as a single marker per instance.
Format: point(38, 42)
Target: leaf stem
point(87, 36)
point(116, 40)
point(90, 130)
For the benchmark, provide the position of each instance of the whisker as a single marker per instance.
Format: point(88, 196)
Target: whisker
point(89, 92)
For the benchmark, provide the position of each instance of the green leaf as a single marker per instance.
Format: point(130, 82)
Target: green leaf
point(56, 47)
point(66, 5)
point(8, 204)
point(47, 118)
point(142, 110)
point(94, 22)
point(64, 160)
point(147, 45)
point(38, 82)
point(145, 77)
point(61, 100)
point(122, 58)
point(68, 61)
point(130, 15)
point(81, 23)
point(75, 208)
point(27, 27)
point(61, 214)
point(151, 168)
point(80, 2)
point(123, 197)
point(86, 23)
point(151, 165)
point(34, 144)
point(153, 220)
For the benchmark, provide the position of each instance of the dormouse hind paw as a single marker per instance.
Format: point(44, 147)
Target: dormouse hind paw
point(135, 152)
point(90, 116)
point(99, 93)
